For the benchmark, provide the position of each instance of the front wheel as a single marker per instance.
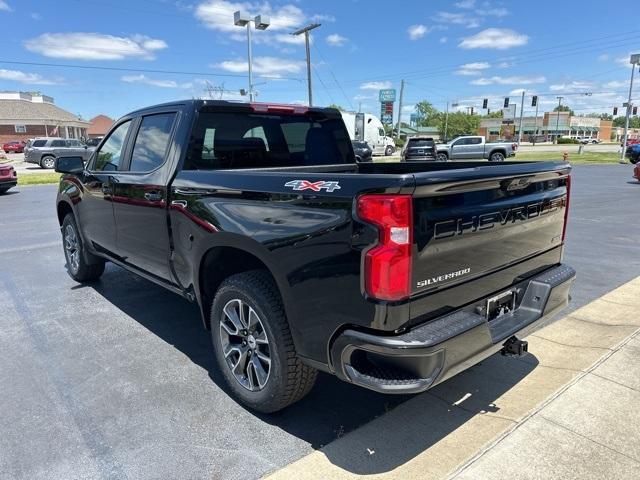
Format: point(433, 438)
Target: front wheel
point(82, 266)
point(389, 150)
point(497, 157)
point(253, 345)
point(441, 157)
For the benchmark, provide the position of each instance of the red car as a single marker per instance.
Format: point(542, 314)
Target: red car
point(8, 178)
point(636, 171)
point(15, 147)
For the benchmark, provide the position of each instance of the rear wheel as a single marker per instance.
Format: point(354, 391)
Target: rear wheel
point(47, 162)
point(497, 157)
point(253, 345)
point(389, 150)
point(441, 157)
point(82, 266)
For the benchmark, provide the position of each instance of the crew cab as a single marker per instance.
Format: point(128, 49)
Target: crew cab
point(391, 276)
point(475, 147)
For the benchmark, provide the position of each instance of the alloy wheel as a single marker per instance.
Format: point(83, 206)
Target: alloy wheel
point(72, 248)
point(245, 345)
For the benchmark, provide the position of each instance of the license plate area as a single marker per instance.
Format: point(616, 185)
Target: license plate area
point(500, 305)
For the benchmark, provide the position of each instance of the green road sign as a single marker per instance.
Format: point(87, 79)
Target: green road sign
point(388, 95)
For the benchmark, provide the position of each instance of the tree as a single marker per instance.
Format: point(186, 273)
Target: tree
point(494, 114)
point(563, 108)
point(459, 123)
point(634, 122)
point(601, 116)
point(428, 115)
point(337, 107)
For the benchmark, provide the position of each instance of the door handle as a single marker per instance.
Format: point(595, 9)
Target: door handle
point(153, 196)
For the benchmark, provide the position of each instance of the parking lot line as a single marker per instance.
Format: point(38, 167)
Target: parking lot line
point(433, 434)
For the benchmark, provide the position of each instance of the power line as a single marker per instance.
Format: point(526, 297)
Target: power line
point(334, 77)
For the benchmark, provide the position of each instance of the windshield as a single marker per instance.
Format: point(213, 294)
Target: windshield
point(237, 140)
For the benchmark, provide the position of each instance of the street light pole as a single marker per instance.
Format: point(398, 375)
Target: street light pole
point(558, 119)
point(634, 60)
point(306, 31)
point(521, 113)
point(261, 22)
point(446, 123)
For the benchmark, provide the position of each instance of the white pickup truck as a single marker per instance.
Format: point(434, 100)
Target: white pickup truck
point(474, 147)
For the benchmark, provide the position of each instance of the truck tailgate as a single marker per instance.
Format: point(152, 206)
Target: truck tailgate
point(472, 222)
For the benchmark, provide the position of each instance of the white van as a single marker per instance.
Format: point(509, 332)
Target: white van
point(368, 128)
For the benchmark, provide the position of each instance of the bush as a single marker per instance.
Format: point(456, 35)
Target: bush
point(400, 142)
point(564, 141)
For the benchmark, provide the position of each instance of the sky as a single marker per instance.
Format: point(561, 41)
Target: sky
point(114, 56)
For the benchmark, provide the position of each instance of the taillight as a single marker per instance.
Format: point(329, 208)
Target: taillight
point(387, 266)
point(566, 207)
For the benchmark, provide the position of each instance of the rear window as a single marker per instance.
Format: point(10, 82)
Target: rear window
point(39, 143)
point(58, 143)
point(421, 143)
point(240, 140)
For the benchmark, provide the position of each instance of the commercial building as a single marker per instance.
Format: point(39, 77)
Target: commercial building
point(99, 126)
point(415, 131)
point(547, 127)
point(25, 115)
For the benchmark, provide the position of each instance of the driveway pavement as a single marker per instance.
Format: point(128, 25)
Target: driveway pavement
point(116, 379)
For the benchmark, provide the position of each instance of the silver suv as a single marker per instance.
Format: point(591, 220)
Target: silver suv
point(44, 151)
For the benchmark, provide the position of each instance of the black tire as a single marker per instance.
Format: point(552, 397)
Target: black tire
point(389, 150)
point(496, 157)
point(441, 157)
point(84, 267)
point(47, 162)
point(288, 379)
point(4, 190)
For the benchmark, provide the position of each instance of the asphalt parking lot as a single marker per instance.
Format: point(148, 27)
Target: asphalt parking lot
point(116, 379)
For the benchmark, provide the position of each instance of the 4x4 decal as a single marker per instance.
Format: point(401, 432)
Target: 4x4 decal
point(299, 185)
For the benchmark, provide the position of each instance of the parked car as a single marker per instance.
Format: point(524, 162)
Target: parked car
point(419, 148)
point(633, 152)
point(586, 140)
point(44, 151)
point(474, 147)
point(391, 276)
point(636, 172)
point(631, 141)
point(13, 147)
point(362, 150)
point(93, 141)
point(8, 177)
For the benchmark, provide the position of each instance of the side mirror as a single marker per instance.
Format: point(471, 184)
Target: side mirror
point(69, 165)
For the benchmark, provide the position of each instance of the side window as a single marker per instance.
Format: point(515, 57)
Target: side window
point(257, 132)
point(109, 156)
point(39, 143)
point(150, 147)
point(208, 152)
point(462, 141)
point(475, 141)
point(58, 143)
point(73, 143)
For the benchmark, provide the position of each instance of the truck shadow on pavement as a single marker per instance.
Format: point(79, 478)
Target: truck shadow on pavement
point(333, 408)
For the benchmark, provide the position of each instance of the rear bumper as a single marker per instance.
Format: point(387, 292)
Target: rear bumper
point(8, 182)
point(435, 351)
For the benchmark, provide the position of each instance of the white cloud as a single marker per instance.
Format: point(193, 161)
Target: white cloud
point(624, 61)
point(408, 109)
point(490, 11)
point(28, 78)
point(516, 80)
point(35, 16)
point(323, 18)
point(504, 65)
point(573, 86)
point(4, 6)
point(417, 31)
point(466, 4)
point(375, 85)
point(615, 84)
point(475, 68)
point(457, 19)
point(603, 57)
point(94, 46)
point(218, 14)
point(443, 40)
point(154, 82)
point(361, 97)
point(336, 40)
point(498, 38)
point(266, 66)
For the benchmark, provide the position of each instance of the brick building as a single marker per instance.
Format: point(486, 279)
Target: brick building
point(25, 115)
point(99, 126)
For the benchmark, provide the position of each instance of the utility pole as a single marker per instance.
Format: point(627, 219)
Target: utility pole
point(446, 123)
point(306, 31)
point(521, 113)
point(400, 109)
point(558, 119)
point(535, 136)
point(635, 60)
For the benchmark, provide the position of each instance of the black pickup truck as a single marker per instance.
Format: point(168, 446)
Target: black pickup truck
point(392, 276)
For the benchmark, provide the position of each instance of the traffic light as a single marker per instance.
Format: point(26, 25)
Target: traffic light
point(506, 102)
point(635, 110)
point(472, 111)
point(615, 111)
point(485, 103)
point(534, 101)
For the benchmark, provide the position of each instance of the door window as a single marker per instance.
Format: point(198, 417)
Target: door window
point(152, 141)
point(58, 143)
point(109, 156)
